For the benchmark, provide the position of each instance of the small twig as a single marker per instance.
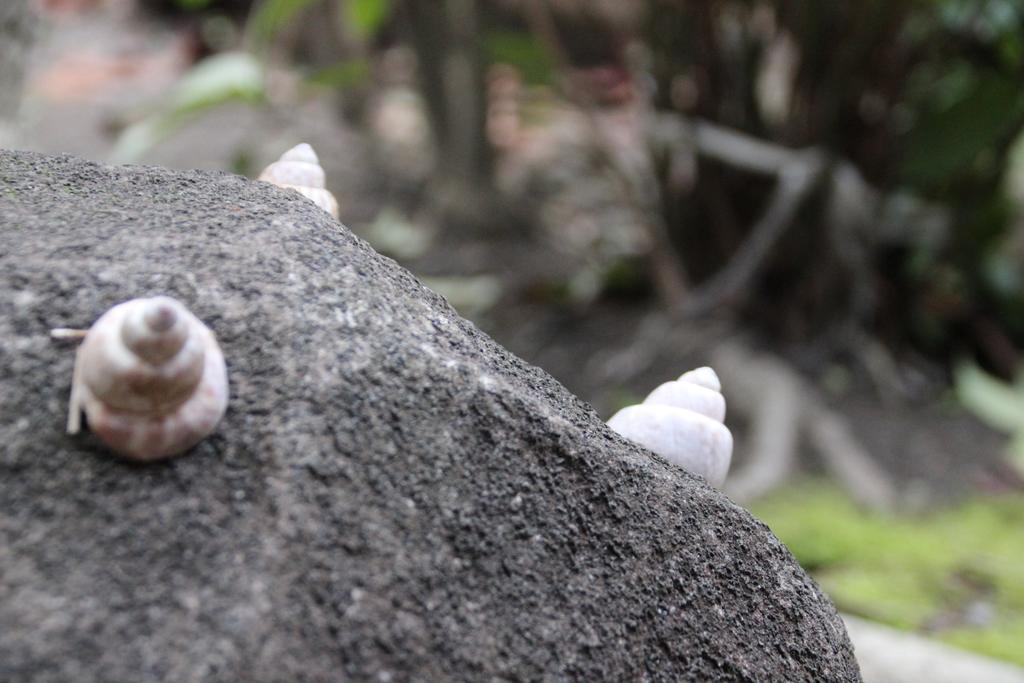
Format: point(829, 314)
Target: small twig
point(67, 333)
point(74, 423)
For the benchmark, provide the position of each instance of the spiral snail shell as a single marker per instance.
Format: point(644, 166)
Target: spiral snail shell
point(299, 169)
point(150, 378)
point(682, 422)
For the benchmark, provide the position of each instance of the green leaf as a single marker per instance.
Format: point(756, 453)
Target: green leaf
point(138, 138)
point(1016, 451)
point(366, 17)
point(947, 140)
point(274, 15)
point(522, 51)
point(342, 75)
point(230, 76)
point(223, 78)
point(996, 403)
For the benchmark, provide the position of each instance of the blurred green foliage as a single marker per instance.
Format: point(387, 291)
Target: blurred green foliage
point(997, 403)
point(216, 80)
point(944, 142)
point(366, 17)
point(361, 17)
point(193, 5)
point(342, 75)
point(522, 51)
point(967, 116)
point(274, 15)
point(957, 574)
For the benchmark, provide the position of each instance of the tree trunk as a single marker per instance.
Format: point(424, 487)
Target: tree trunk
point(452, 74)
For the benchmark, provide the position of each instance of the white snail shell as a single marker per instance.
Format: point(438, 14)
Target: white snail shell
point(150, 378)
point(682, 422)
point(299, 169)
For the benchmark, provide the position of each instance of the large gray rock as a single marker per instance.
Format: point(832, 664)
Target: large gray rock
point(392, 496)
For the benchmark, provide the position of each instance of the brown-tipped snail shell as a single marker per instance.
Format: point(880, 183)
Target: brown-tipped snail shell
point(150, 378)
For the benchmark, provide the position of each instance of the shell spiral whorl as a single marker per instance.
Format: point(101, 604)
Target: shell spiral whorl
point(150, 378)
point(682, 421)
point(299, 169)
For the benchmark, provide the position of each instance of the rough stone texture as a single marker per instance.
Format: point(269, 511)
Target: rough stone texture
point(392, 496)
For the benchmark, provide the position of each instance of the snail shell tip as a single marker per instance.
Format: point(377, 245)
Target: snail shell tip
point(303, 152)
point(704, 376)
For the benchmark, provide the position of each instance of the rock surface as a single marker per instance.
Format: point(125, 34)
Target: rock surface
point(392, 496)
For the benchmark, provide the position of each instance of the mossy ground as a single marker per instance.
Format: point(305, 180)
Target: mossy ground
point(957, 574)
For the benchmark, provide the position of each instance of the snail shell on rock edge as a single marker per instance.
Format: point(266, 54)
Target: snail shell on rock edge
point(150, 378)
point(682, 421)
point(299, 169)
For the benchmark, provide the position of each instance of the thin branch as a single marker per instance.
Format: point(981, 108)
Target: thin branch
point(796, 181)
point(858, 213)
point(736, 149)
point(798, 174)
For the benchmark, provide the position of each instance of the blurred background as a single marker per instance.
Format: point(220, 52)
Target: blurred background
point(823, 201)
